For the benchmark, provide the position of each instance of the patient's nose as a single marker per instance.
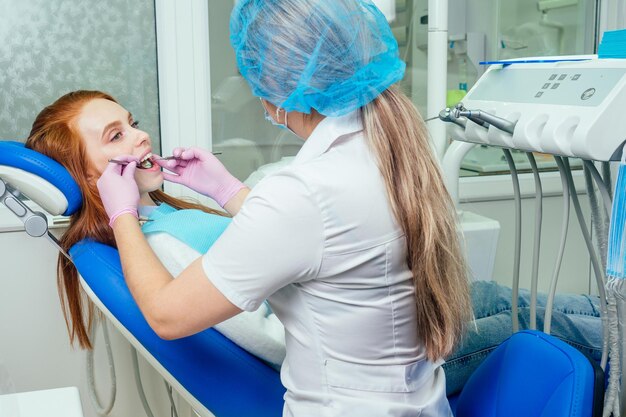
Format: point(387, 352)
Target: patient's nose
point(143, 139)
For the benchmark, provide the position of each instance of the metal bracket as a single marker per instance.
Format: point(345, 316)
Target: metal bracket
point(35, 223)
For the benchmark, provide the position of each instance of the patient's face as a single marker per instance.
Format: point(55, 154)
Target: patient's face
point(108, 131)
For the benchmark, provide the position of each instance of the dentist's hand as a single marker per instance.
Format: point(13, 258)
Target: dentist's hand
point(201, 171)
point(118, 189)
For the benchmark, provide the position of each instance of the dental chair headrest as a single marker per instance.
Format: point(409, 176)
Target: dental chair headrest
point(40, 178)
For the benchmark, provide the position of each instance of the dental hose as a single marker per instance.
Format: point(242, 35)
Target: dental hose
point(599, 221)
point(592, 171)
point(547, 321)
point(168, 388)
point(594, 262)
point(601, 224)
point(93, 396)
point(518, 239)
point(89, 359)
point(612, 399)
point(536, 242)
point(611, 396)
point(142, 393)
point(139, 385)
point(606, 176)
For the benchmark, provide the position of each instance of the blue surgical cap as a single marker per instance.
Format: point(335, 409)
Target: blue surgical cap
point(333, 56)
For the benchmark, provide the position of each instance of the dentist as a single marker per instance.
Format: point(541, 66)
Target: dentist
point(354, 245)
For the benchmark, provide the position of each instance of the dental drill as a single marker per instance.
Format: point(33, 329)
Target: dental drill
point(482, 118)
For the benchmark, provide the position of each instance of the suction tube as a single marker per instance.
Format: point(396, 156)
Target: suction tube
point(536, 241)
point(600, 277)
point(547, 322)
point(518, 239)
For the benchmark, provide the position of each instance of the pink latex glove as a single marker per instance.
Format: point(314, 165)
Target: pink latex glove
point(201, 171)
point(118, 189)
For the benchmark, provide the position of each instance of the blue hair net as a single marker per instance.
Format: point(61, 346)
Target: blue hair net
point(333, 56)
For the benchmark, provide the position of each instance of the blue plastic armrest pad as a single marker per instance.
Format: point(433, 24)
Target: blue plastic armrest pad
point(530, 374)
point(15, 155)
point(226, 379)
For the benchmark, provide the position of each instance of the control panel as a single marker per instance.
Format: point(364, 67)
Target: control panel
point(567, 108)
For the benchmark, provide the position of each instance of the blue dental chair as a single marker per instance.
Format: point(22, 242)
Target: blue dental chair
point(531, 374)
point(212, 373)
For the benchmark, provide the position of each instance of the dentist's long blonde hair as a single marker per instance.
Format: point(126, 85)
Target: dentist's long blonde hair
point(423, 208)
point(54, 134)
point(331, 56)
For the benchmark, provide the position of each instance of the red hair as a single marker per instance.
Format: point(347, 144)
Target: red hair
point(54, 134)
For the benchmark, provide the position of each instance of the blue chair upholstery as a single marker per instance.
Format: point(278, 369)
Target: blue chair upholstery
point(15, 155)
point(532, 374)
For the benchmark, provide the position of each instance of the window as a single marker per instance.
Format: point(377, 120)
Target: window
point(240, 132)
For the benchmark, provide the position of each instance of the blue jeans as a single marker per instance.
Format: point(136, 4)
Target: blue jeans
point(575, 320)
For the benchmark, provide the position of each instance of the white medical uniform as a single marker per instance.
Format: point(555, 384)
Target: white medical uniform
point(319, 241)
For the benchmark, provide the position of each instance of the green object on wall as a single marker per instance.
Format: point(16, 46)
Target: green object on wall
point(454, 96)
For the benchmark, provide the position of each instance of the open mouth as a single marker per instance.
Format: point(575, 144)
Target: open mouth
point(146, 162)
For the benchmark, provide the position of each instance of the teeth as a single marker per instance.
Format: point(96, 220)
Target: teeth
point(146, 162)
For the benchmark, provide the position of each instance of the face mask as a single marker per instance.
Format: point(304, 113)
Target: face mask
point(271, 120)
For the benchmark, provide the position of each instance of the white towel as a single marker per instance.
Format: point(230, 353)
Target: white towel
point(259, 332)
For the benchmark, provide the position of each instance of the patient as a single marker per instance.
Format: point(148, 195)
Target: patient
point(83, 130)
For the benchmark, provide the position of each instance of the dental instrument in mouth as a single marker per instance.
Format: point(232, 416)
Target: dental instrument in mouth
point(149, 159)
point(144, 163)
point(167, 158)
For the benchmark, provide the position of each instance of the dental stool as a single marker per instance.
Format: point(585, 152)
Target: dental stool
point(533, 374)
point(208, 370)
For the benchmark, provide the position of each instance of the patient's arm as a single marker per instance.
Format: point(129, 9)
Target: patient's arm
point(259, 332)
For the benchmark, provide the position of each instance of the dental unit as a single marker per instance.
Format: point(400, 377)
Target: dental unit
point(567, 107)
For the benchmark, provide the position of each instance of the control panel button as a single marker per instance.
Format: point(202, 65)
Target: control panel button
point(555, 86)
point(553, 77)
point(562, 77)
point(588, 93)
point(546, 86)
point(575, 77)
point(539, 94)
point(14, 205)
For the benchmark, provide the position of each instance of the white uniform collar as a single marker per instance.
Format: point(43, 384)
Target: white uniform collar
point(326, 133)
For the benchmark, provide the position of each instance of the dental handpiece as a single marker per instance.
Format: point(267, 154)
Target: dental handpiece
point(459, 109)
point(482, 117)
point(446, 115)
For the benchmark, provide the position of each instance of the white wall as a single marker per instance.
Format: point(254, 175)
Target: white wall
point(575, 269)
point(34, 346)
